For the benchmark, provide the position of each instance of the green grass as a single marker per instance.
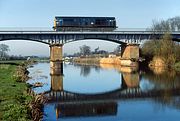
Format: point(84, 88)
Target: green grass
point(12, 62)
point(13, 95)
point(177, 66)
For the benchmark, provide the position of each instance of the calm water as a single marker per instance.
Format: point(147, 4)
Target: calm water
point(108, 93)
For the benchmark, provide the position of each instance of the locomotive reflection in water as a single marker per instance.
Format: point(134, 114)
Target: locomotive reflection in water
point(86, 109)
point(62, 23)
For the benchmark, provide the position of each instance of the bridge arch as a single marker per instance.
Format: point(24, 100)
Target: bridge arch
point(93, 39)
point(24, 39)
point(26, 48)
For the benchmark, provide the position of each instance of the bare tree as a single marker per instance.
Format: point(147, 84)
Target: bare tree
point(4, 51)
point(85, 50)
point(117, 50)
point(172, 24)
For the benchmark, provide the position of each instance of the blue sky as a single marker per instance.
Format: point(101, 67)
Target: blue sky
point(40, 13)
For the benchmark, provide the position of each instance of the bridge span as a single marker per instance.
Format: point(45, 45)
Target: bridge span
point(53, 37)
point(129, 40)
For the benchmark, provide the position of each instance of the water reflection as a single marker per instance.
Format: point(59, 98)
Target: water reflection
point(56, 82)
point(75, 109)
point(129, 78)
point(86, 109)
point(85, 70)
point(134, 87)
point(163, 80)
point(69, 104)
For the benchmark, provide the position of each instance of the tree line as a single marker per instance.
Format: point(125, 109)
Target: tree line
point(86, 51)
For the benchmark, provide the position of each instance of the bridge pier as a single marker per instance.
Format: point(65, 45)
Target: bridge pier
point(129, 54)
point(56, 81)
point(56, 58)
point(56, 67)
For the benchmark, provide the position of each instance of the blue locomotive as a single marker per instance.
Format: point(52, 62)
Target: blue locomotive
point(62, 23)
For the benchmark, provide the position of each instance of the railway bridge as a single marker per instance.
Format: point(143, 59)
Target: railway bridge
point(129, 39)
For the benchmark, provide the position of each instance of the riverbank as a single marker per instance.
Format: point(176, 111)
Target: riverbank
point(114, 60)
point(17, 100)
point(158, 62)
point(108, 60)
point(14, 98)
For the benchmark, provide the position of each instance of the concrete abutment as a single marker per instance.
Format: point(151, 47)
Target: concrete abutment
point(130, 55)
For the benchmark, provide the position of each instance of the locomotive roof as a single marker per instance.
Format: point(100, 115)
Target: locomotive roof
point(81, 17)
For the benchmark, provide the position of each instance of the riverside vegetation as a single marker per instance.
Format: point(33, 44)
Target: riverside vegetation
point(16, 103)
point(163, 52)
point(13, 95)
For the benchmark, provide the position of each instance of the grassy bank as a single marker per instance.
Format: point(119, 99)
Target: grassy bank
point(14, 99)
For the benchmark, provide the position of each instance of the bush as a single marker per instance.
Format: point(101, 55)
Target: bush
point(164, 48)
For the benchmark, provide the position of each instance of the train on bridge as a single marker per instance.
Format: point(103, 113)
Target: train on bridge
point(62, 23)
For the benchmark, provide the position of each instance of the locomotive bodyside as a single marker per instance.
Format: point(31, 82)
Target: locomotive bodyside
point(84, 23)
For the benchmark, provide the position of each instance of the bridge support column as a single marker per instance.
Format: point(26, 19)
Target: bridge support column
point(130, 55)
point(56, 58)
point(56, 80)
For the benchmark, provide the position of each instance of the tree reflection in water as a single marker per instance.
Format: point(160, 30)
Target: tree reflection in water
point(85, 70)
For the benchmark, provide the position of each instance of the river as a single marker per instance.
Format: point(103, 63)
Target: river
point(107, 93)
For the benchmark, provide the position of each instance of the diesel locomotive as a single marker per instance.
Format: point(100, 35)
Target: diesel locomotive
point(62, 23)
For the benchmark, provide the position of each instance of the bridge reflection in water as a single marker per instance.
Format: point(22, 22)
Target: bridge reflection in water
point(76, 108)
point(73, 104)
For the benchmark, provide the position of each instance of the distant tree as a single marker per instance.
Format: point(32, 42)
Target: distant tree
point(117, 50)
point(160, 25)
point(172, 24)
point(85, 50)
point(96, 50)
point(76, 54)
point(4, 51)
